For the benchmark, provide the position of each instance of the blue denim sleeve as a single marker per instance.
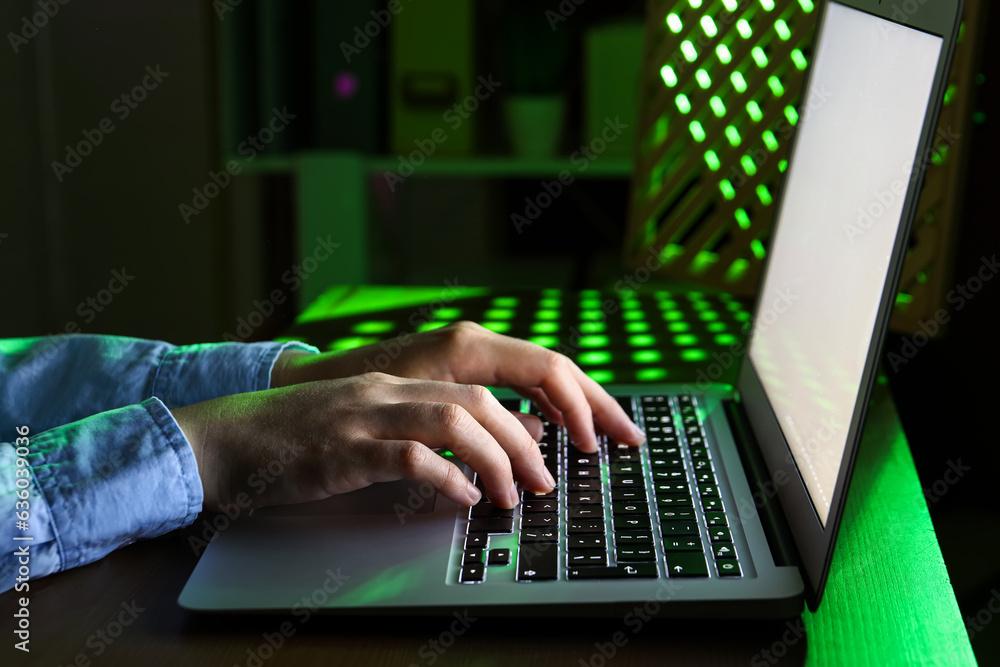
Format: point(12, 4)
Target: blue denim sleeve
point(103, 462)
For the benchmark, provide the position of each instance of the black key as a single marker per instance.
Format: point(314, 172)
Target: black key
point(728, 568)
point(716, 519)
point(537, 562)
point(551, 495)
point(724, 550)
point(677, 528)
point(489, 510)
point(698, 452)
point(681, 513)
point(686, 564)
point(668, 475)
point(491, 526)
point(682, 544)
point(586, 542)
point(583, 485)
point(583, 461)
point(696, 439)
point(498, 557)
point(586, 557)
point(634, 493)
point(633, 537)
point(708, 490)
point(584, 499)
point(474, 555)
point(720, 534)
point(626, 481)
point(664, 462)
point(702, 464)
point(705, 477)
point(472, 573)
point(625, 468)
point(627, 508)
point(672, 487)
point(712, 504)
point(511, 404)
point(665, 450)
point(477, 540)
point(586, 512)
point(539, 535)
point(624, 455)
point(631, 521)
point(635, 554)
point(583, 473)
point(539, 520)
point(672, 500)
point(540, 507)
point(628, 571)
point(585, 527)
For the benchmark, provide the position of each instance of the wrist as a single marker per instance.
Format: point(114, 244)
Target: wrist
point(285, 371)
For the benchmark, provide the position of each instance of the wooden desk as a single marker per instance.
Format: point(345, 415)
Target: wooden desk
point(888, 602)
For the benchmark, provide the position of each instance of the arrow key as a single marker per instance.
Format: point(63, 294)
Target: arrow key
point(686, 564)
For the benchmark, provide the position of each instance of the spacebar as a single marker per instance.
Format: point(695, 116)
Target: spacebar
point(630, 571)
point(537, 561)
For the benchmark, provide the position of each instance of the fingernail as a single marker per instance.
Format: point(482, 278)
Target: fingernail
point(639, 433)
point(548, 478)
point(475, 495)
point(513, 495)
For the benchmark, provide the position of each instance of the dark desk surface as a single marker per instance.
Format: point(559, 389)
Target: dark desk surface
point(888, 601)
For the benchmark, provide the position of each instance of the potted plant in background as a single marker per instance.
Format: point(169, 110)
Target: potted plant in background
point(536, 63)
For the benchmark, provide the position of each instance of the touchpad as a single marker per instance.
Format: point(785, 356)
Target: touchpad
point(400, 497)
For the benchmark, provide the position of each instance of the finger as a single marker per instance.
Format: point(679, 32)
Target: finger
point(389, 460)
point(541, 401)
point(608, 414)
point(531, 424)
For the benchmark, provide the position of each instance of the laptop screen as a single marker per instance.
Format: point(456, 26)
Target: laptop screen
point(852, 161)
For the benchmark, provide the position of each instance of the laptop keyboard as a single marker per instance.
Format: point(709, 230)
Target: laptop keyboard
point(622, 513)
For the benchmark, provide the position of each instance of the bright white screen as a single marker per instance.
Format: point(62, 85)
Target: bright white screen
point(848, 176)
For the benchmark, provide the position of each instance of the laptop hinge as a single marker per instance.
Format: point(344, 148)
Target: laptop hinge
point(765, 497)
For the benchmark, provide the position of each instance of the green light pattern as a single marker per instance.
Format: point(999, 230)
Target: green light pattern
point(631, 304)
point(733, 306)
point(741, 316)
point(708, 25)
point(774, 83)
point(782, 166)
point(686, 339)
point(646, 356)
point(669, 304)
point(593, 327)
point(674, 23)
point(603, 376)
point(736, 270)
point(770, 140)
point(709, 315)
point(668, 75)
point(799, 59)
point(694, 354)
point(594, 341)
point(728, 191)
point(374, 327)
point(591, 315)
point(754, 110)
point(792, 115)
point(716, 327)
point(551, 291)
point(742, 218)
point(637, 327)
point(697, 131)
point(687, 48)
point(903, 299)
point(545, 341)
point(651, 374)
point(641, 340)
point(764, 195)
point(351, 342)
point(739, 83)
point(807, 5)
point(704, 80)
point(545, 327)
point(547, 315)
point(499, 327)
point(731, 5)
point(783, 31)
point(626, 294)
point(725, 339)
point(633, 315)
point(703, 260)
point(922, 277)
point(430, 326)
point(759, 57)
point(758, 249)
point(499, 314)
point(678, 327)
point(748, 165)
point(718, 108)
point(768, 5)
point(594, 358)
point(744, 29)
point(673, 315)
point(733, 135)
point(549, 303)
point(590, 302)
point(712, 160)
point(949, 95)
point(683, 103)
point(447, 313)
point(506, 302)
point(725, 56)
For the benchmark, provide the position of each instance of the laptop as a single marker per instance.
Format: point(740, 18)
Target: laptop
point(673, 522)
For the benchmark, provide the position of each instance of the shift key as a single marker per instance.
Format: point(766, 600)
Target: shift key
point(537, 562)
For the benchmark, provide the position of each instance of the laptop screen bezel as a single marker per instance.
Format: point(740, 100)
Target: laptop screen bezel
point(813, 540)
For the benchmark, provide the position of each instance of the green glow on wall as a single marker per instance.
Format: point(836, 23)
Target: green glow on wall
point(687, 48)
point(783, 30)
point(764, 195)
point(545, 327)
point(903, 299)
point(703, 79)
point(430, 326)
point(807, 5)
point(708, 25)
point(673, 315)
point(739, 83)
point(748, 165)
point(637, 327)
point(759, 57)
point(799, 59)
point(754, 110)
point(792, 115)
point(728, 191)
point(552, 292)
point(506, 302)
point(742, 219)
point(674, 23)
point(593, 327)
point(737, 269)
point(770, 140)
point(782, 166)
point(703, 260)
point(683, 103)
point(545, 341)
point(594, 358)
point(733, 135)
point(594, 341)
point(351, 342)
point(922, 277)
point(686, 339)
point(731, 5)
point(718, 108)
point(498, 327)
point(708, 315)
point(678, 327)
point(668, 75)
point(447, 313)
point(768, 5)
point(549, 302)
point(697, 131)
point(694, 354)
point(547, 315)
point(712, 160)
point(725, 339)
point(641, 340)
point(590, 302)
point(716, 327)
point(603, 376)
point(774, 83)
point(744, 29)
point(374, 327)
point(725, 56)
point(758, 249)
point(499, 314)
point(651, 374)
point(591, 315)
point(695, 3)
point(646, 356)
point(949, 95)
